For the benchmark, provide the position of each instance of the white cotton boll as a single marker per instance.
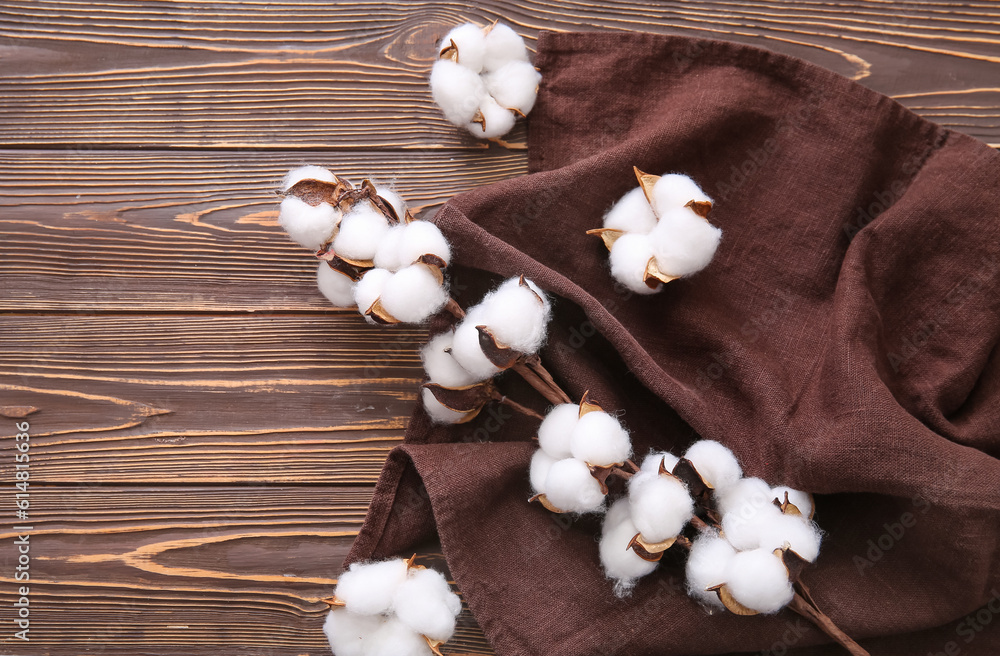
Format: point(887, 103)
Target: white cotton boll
point(465, 347)
point(620, 562)
point(746, 529)
point(797, 498)
point(541, 463)
point(335, 286)
point(413, 294)
point(515, 316)
point(744, 496)
point(497, 120)
point(661, 505)
point(652, 462)
point(349, 633)
point(309, 226)
point(361, 231)
point(683, 242)
point(441, 367)
point(394, 638)
point(309, 172)
point(389, 195)
point(471, 44)
point(716, 464)
point(706, 567)
point(369, 288)
point(426, 604)
point(758, 580)
point(800, 535)
point(503, 45)
point(368, 588)
point(457, 91)
point(570, 487)
point(438, 412)
point(599, 439)
point(423, 238)
point(629, 256)
point(388, 255)
point(555, 430)
point(514, 86)
point(674, 191)
point(632, 213)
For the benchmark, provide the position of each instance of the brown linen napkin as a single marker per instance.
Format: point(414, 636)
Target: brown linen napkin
point(843, 341)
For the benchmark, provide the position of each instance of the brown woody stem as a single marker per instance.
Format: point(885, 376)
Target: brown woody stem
point(455, 309)
point(535, 381)
point(825, 624)
point(517, 407)
point(536, 365)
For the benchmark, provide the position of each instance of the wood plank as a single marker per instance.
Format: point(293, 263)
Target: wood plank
point(196, 399)
point(333, 75)
point(163, 231)
point(193, 570)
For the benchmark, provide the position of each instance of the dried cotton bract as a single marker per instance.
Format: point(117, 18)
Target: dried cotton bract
point(376, 255)
point(391, 608)
point(483, 80)
point(659, 232)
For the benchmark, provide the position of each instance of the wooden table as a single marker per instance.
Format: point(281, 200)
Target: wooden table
point(208, 430)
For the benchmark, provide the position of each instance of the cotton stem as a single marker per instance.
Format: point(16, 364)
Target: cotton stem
point(517, 407)
point(801, 606)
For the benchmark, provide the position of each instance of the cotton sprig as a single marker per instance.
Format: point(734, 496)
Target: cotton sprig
point(374, 255)
point(580, 447)
point(503, 331)
point(659, 232)
point(483, 79)
point(391, 608)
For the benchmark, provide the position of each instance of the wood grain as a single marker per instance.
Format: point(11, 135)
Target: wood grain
point(205, 429)
point(194, 570)
point(317, 398)
point(334, 75)
point(163, 231)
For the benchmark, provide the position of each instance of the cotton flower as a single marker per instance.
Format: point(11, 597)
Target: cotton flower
point(599, 439)
point(335, 286)
point(660, 505)
point(621, 564)
point(368, 588)
point(556, 429)
point(758, 580)
point(413, 294)
point(391, 608)
point(658, 232)
point(483, 80)
point(715, 463)
point(441, 366)
point(571, 487)
point(310, 226)
point(309, 172)
point(439, 412)
point(706, 567)
point(369, 288)
point(516, 314)
point(425, 603)
point(361, 231)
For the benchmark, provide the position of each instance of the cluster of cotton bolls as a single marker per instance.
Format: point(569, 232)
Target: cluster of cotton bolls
point(374, 254)
point(509, 323)
point(483, 79)
point(391, 608)
point(659, 232)
point(743, 561)
point(576, 442)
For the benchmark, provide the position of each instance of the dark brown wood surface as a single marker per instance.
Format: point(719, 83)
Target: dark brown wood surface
point(206, 431)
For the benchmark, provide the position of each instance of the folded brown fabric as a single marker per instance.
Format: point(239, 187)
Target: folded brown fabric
point(843, 341)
